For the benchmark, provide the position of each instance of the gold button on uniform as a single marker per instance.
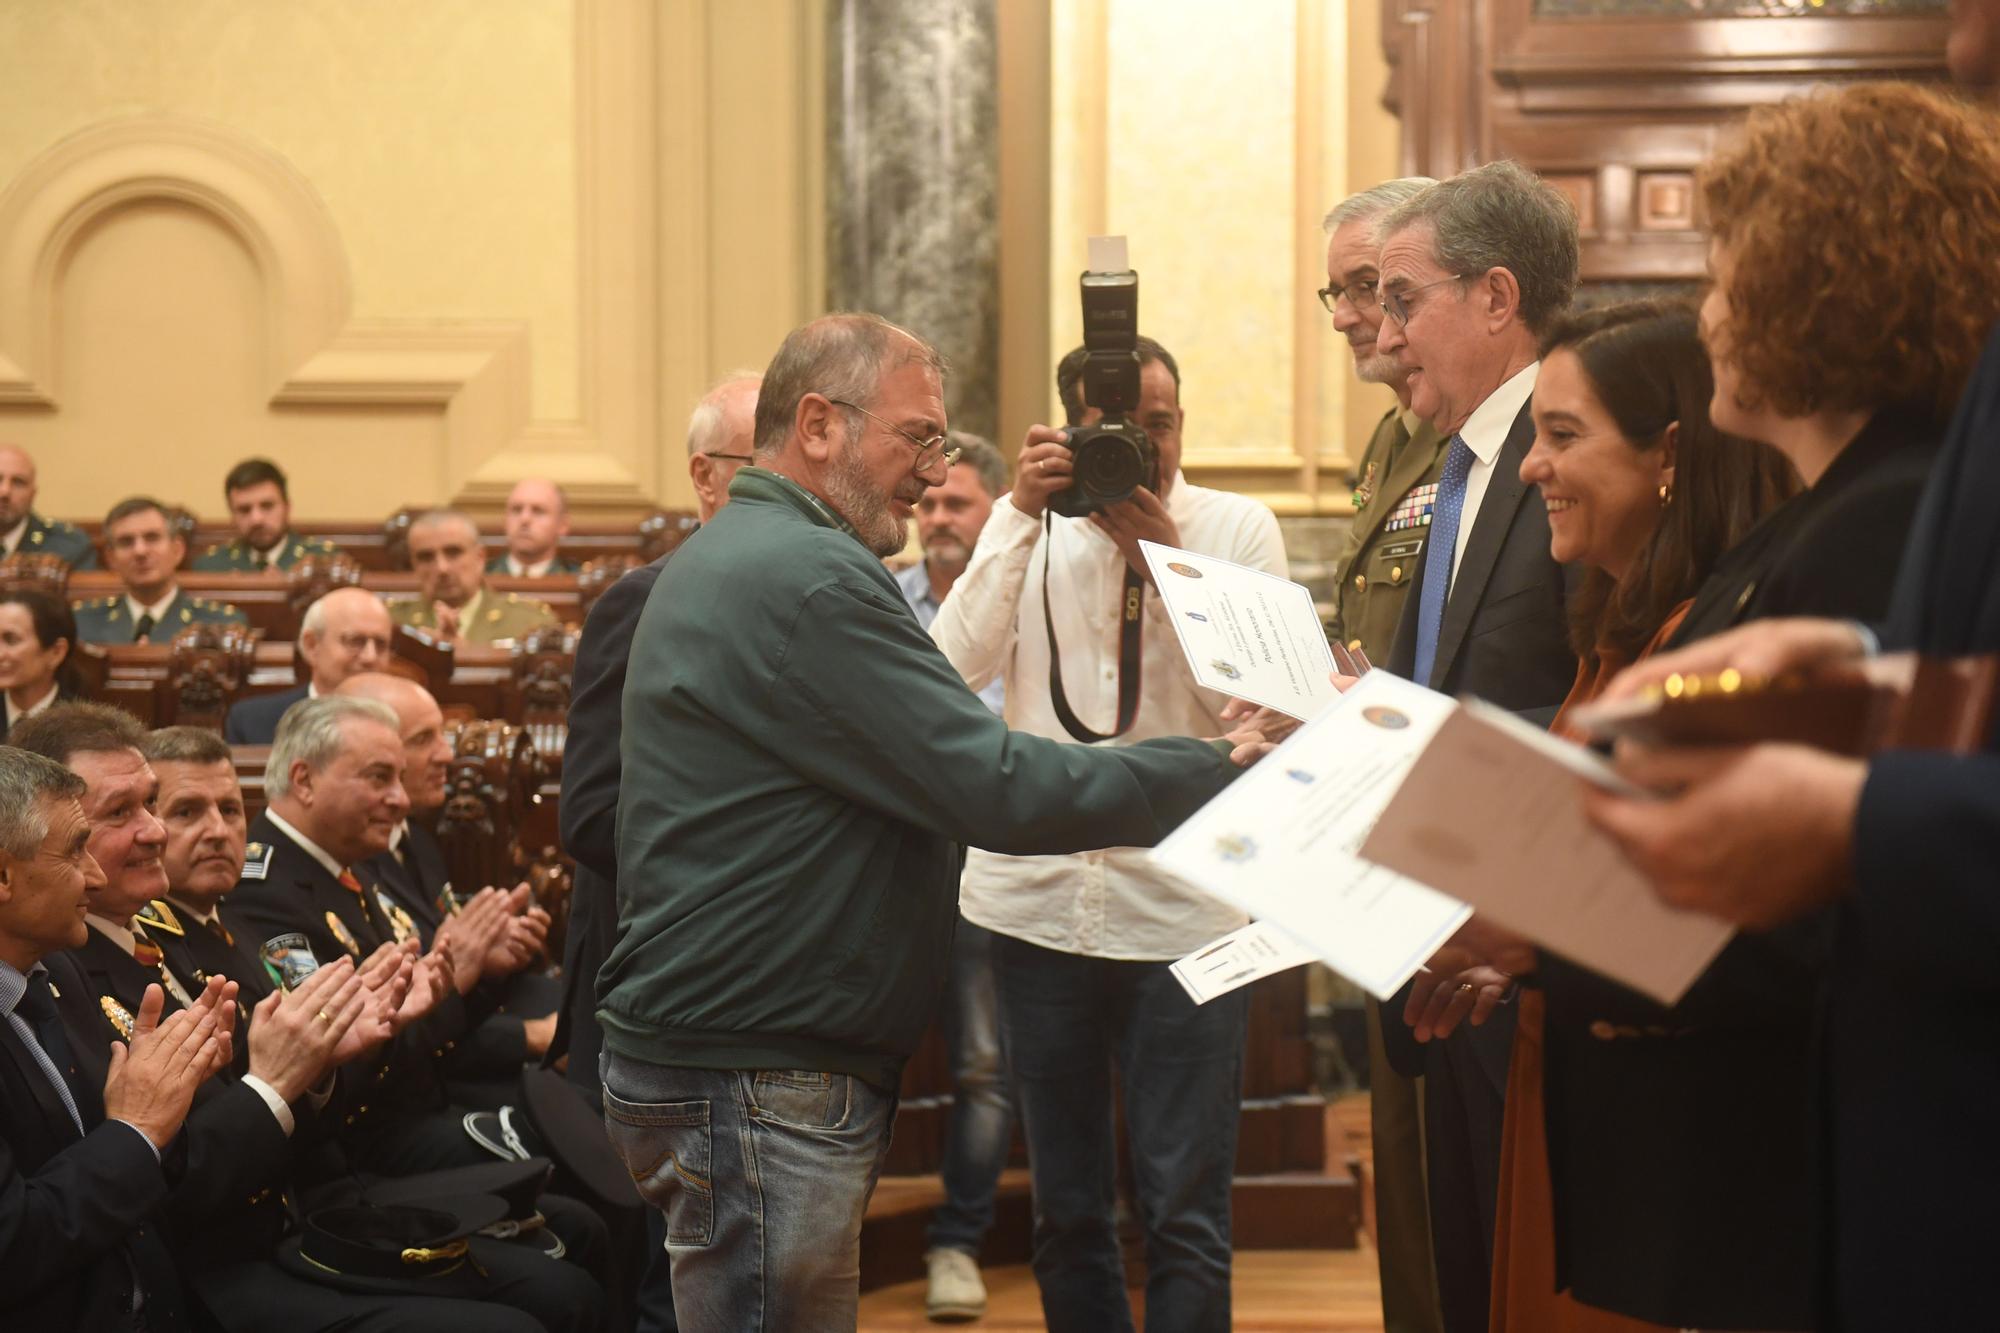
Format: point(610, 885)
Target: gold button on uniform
point(1360, 582)
point(1396, 574)
point(1354, 645)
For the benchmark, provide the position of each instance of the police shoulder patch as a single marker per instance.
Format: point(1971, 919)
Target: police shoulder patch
point(257, 859)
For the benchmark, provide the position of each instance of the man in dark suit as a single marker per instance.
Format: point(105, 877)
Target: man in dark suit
point(82, 1180)
point(720, 434)
point(342, 634)
point(1470, 271)
point(24, 532)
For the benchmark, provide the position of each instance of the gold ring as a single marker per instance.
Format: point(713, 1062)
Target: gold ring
point(325, 1017)
point(1465, 985)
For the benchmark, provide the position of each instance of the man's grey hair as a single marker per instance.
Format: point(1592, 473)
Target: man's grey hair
point(28, 783)
point(1376, 200)
point(705, 422)
point(311, 732)
point(842, 356)
point(1500, 215)
point(432, 519)
point(980, 455)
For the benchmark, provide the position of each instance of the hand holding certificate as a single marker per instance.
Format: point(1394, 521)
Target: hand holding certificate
point(1246, 633)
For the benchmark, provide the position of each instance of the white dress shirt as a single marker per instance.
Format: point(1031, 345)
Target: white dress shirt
point(1111, 903)
point(537, 570)
point(1485, 433)
point(158, 610)
point(10, 542)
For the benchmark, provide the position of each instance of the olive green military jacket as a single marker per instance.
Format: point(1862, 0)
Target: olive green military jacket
point(109, 619)
point(488, 616)
point(239, 557)
point(68, 543)
point(1393, 494)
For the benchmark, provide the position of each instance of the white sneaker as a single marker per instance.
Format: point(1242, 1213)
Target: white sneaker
point(956, 1293)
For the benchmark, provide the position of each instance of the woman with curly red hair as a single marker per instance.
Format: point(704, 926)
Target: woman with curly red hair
point(1855, 236)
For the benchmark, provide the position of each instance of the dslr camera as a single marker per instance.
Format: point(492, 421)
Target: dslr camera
point(1113, 457)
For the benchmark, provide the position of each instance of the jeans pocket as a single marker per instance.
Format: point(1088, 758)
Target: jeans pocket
point(666, 1148)
point(800, 1098)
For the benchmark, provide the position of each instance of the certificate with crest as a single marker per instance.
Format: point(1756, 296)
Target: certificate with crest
point(1246, 633)
point(1283, 841)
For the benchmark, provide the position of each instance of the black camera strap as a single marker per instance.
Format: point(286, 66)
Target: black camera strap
point(1130, 667)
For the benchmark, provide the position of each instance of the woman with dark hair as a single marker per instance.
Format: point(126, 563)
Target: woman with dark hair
point(1646, 494)
point(37, 637)
point(1853, 240)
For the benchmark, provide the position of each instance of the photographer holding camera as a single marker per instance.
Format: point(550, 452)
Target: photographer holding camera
point(1082, 942)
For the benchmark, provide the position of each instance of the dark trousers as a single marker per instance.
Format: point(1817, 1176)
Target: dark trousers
point(981, 1128)
point(1066, 1021)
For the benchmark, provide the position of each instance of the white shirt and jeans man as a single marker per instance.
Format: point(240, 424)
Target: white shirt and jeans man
point(1082, 943)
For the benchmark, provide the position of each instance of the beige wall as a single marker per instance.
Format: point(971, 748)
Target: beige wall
point(1216, 142)
point(411, 251)
point(415, 252)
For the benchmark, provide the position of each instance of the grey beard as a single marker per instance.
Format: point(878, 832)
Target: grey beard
point(949, 555)
point(850, 491)
point(1380, 368)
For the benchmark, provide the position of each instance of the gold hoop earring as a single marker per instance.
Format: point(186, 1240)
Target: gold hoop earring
point(1666, 494)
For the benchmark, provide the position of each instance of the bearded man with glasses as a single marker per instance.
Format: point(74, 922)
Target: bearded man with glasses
point(802, 771)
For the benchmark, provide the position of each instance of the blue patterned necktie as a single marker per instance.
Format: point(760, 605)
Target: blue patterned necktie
point(1442, 544)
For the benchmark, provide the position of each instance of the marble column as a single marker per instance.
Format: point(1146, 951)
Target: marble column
point(913, 179)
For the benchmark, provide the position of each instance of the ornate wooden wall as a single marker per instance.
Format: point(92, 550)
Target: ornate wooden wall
point(1616, 102)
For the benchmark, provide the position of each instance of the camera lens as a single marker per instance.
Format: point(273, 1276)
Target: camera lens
point(1109, 468)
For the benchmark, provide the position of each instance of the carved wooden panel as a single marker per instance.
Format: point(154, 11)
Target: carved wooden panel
point(664, 531)
point(1618, 102)
point(46, 573)
point(206, 666)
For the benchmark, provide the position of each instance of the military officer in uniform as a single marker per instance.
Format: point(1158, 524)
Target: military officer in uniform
point(143, 550)
point(260, 509)
point(1393, 488)
point(537, 519)
point(24, 532)
point(453, 598)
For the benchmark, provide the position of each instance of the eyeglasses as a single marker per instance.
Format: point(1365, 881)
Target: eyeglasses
point(733, 458)
point(1397, 304)
point(1361, 295)
point(928, 451)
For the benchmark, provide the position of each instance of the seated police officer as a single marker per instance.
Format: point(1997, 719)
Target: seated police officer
point(260, 509)
point(24, 532)
point(143, 549)
point(82, 1175)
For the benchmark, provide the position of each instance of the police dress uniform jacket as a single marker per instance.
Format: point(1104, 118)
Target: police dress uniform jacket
point(801, 772)
point(286, 892)
point(109, 619)
point(79, 1210)
point(414, 885)
point(65, 541)
point(488, 616)
point(228, 1198)
point(1680, 1139)
point(254, 721)
point(1504, 638)
point(589, 812)
point(240, 557)
point(561, 564)
point(1393, 492)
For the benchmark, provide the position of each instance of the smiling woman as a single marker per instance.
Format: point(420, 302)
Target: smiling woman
point(37, 636)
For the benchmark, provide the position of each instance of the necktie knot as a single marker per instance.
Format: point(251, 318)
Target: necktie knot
point(351, 884)
point(220, 931)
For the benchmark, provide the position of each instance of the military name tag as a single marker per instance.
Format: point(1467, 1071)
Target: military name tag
point(289, 959)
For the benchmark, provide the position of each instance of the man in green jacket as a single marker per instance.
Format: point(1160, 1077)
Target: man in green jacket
point(802, 773)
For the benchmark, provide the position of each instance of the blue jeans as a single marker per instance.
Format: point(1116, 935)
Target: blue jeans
point(981, 1128)
point(1065, 1020)
point(763, 1177)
